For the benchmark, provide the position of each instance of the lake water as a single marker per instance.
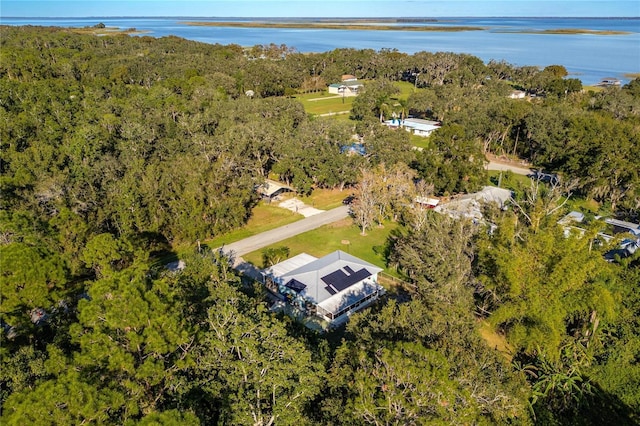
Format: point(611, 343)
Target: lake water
point(587, 57)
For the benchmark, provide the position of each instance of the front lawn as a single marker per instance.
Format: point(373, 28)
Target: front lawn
point(263, 218)
point(509, 180)
point(317, 103)
point(269, 216)
point(419, 141)
point(342, 235)
point(406, 89)
point(326, 199)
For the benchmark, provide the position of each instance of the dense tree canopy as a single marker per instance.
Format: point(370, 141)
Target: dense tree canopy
point(117, 151)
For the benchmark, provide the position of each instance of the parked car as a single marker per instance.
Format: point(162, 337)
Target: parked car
point(550, 178)
point(350, 199)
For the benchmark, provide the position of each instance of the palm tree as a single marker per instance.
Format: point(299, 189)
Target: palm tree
point(404, 104)
point(382, 106)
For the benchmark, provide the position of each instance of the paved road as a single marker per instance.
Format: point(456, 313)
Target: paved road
point(504, 167)
point(256, 242)
point(328, 114)
point(267, 238)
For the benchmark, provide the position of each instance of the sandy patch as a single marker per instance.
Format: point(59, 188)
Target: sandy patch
point(298, 206)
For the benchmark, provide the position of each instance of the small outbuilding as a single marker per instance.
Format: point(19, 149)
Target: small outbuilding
point(271, 189)
point(427, 202)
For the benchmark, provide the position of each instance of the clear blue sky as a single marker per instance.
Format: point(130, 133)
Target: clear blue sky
point(315, 8)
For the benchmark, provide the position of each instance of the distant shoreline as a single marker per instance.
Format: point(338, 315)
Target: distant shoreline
point(395, 19)
point(568, 31)
point(346, 25)
point(106, 31)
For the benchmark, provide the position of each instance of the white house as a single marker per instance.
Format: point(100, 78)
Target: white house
point(416, 126)
point(346, 88)
point(609, 82)
point(620, 226)
point(332, 287)
point(518, 94)
point(470, 205)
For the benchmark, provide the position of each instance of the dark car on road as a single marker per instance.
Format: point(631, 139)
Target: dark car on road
point(550, 178)
point(350, 199)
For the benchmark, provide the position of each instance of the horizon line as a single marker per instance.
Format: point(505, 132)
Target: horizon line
point(321, 17)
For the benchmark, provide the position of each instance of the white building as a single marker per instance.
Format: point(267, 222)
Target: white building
point(518, 94)
point(346, 88)
point(332, 287)
point(417, 126)
point(470, 205)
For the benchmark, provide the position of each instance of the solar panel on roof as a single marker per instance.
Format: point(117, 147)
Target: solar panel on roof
point(341, 281)
point(334, 277)
point(296, 285)
point(348, 269)
point(330, 290)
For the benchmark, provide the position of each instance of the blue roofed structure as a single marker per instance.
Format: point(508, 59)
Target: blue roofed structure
point(353, 149)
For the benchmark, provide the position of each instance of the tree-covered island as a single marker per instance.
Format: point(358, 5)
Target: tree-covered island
point(121, 154)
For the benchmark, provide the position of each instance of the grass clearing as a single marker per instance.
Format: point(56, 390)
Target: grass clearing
point(263, 218)
point(314, 96)
point(318, 103)
point(594, 89)
point(342, 235)
point(406, 89)
point(495, 340)
point(343, 117)
point(325, 103)
point(419, 141)
point(509, 180)
point(326, 199)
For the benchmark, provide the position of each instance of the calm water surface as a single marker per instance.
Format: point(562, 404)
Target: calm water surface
point(587, 57)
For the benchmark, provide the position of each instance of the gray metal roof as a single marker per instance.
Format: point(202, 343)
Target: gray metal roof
point(290, 264)
point(270, 187)
point(312, 273)
point(631, 227)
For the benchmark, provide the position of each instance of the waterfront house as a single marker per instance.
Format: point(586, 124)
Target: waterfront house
point(609, 82)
